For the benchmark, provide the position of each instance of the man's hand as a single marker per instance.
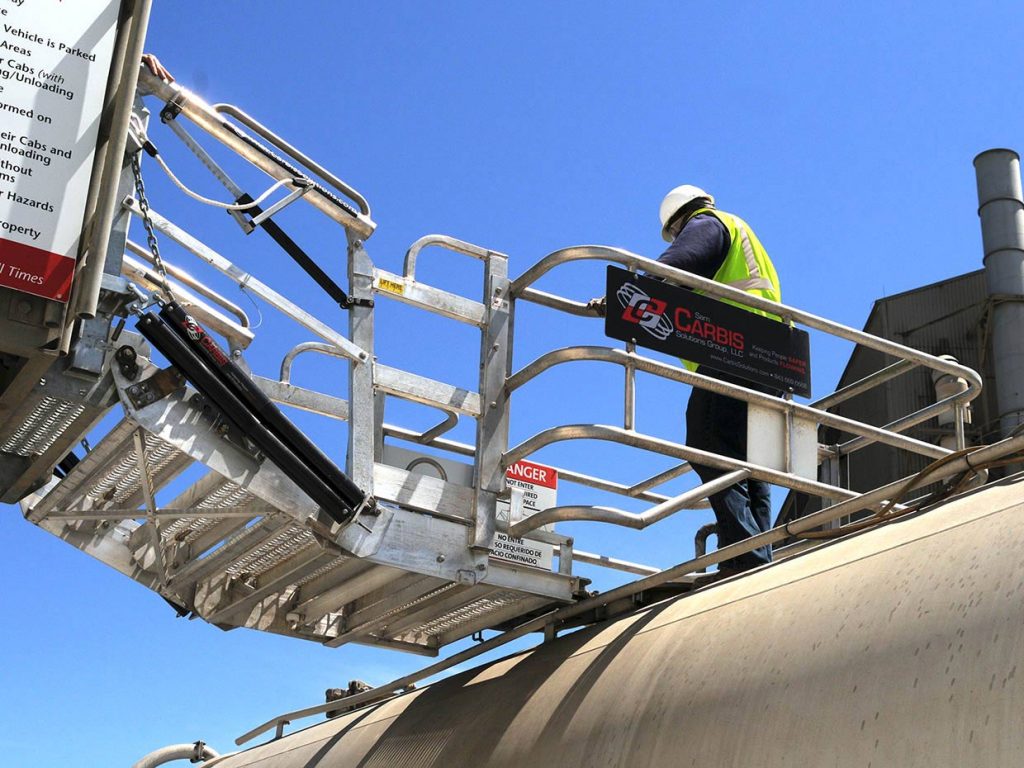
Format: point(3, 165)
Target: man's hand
point(152, 63)
point(597, 306)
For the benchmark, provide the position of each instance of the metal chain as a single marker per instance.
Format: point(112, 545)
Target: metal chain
point(147, 222)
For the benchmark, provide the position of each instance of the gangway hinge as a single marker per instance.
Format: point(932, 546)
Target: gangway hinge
point(158, 386)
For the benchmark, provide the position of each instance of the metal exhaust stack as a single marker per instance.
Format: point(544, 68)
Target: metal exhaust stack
point(1001, 208)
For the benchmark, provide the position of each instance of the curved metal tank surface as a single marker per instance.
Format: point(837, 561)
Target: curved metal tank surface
point(898, 647)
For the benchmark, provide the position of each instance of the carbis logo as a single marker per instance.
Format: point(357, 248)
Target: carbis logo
point(192, 328)
point(647, 312)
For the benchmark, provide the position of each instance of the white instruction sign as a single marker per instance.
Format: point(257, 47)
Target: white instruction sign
point(55, 59)
point(539, 487)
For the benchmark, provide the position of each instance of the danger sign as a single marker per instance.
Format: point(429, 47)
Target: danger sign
point(538, 483)
point(539, 486)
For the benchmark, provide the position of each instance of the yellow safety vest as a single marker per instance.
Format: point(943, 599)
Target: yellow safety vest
point(746, 266)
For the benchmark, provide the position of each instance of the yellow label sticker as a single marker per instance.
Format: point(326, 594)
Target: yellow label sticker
point(390, 286)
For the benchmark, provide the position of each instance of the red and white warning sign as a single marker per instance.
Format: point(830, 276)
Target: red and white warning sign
point(539, 487)
point(54, 66)
point(538, 483)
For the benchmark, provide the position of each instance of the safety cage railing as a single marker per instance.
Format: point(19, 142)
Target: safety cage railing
point(411, 562)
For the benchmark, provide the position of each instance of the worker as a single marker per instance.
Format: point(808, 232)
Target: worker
point(722, 247)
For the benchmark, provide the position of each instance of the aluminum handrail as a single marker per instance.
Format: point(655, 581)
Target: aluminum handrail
point(295, 154)
point(187, 279)
point(449, 422)
point(442, 241)
point(628, 519)
point(817, 412)
point(787, 313)
point(245, 280)
point(674, 450)
point(137, 272)
point(209, 120)
point(673, 373)
point(863, 385)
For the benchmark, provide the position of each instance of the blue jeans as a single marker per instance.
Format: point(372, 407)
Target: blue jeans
point(718, 424)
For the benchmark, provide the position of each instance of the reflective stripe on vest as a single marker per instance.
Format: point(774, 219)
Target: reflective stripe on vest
point(746, 266)
point(755, 281)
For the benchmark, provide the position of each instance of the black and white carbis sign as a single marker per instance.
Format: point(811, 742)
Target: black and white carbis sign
point(707, 331)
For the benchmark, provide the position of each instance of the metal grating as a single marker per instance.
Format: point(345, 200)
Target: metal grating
point(122, 481)
point(460, 616)
point(425, 597)
point(187, 530)
point(43, 427)
point(275, 550)
point(321, 571)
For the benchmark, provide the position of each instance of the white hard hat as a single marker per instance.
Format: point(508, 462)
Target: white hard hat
point(677, 199)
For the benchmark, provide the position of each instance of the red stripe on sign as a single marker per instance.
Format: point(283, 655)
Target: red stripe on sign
point(35, 271)
point(538, 474)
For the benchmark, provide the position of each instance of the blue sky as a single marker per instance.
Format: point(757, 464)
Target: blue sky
point(843, 133)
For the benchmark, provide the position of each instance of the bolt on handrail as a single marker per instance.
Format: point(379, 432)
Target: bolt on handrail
point(657, 368)
point(629, 520)
point(208, 119)
point(245, 280)
point(687, 279)
point(451, 418)
point(253, 124)
point(816, 412)
point(187, 279)
point(666, 448)
point(442, 241)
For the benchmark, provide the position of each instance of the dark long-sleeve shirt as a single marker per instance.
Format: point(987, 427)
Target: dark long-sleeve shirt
point(700, 247)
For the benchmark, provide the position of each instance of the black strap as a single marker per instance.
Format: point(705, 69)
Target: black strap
point(298, 255)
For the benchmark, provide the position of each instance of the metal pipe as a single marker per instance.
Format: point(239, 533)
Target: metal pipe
point(90, 276)
point(1001, 209)
point(443, 241)
point(245, 280)
point(660, 478)
point(679, 277)
point(901, 424)
point(401, 433)
point(613, 563)
point(668, 448)
point(552, 301)
point(814, 520)
point(307, 346)
point(194, 753)
point(629, 404)
point(199, 287)
point(657, 368)
point(863, 385)
point(147, 278)
point(607, 485)
point(700, 539)
point(251, 122)
point(206, 118)
point(628, 519)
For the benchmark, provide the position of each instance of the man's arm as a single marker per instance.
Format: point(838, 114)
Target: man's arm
point(700, 247)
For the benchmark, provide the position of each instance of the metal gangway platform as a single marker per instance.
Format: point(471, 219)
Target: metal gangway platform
point(412, 565)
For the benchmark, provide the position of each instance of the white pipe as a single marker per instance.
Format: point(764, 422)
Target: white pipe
point(195, 752)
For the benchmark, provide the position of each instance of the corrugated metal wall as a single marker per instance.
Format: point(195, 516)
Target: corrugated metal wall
point(945, 318)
